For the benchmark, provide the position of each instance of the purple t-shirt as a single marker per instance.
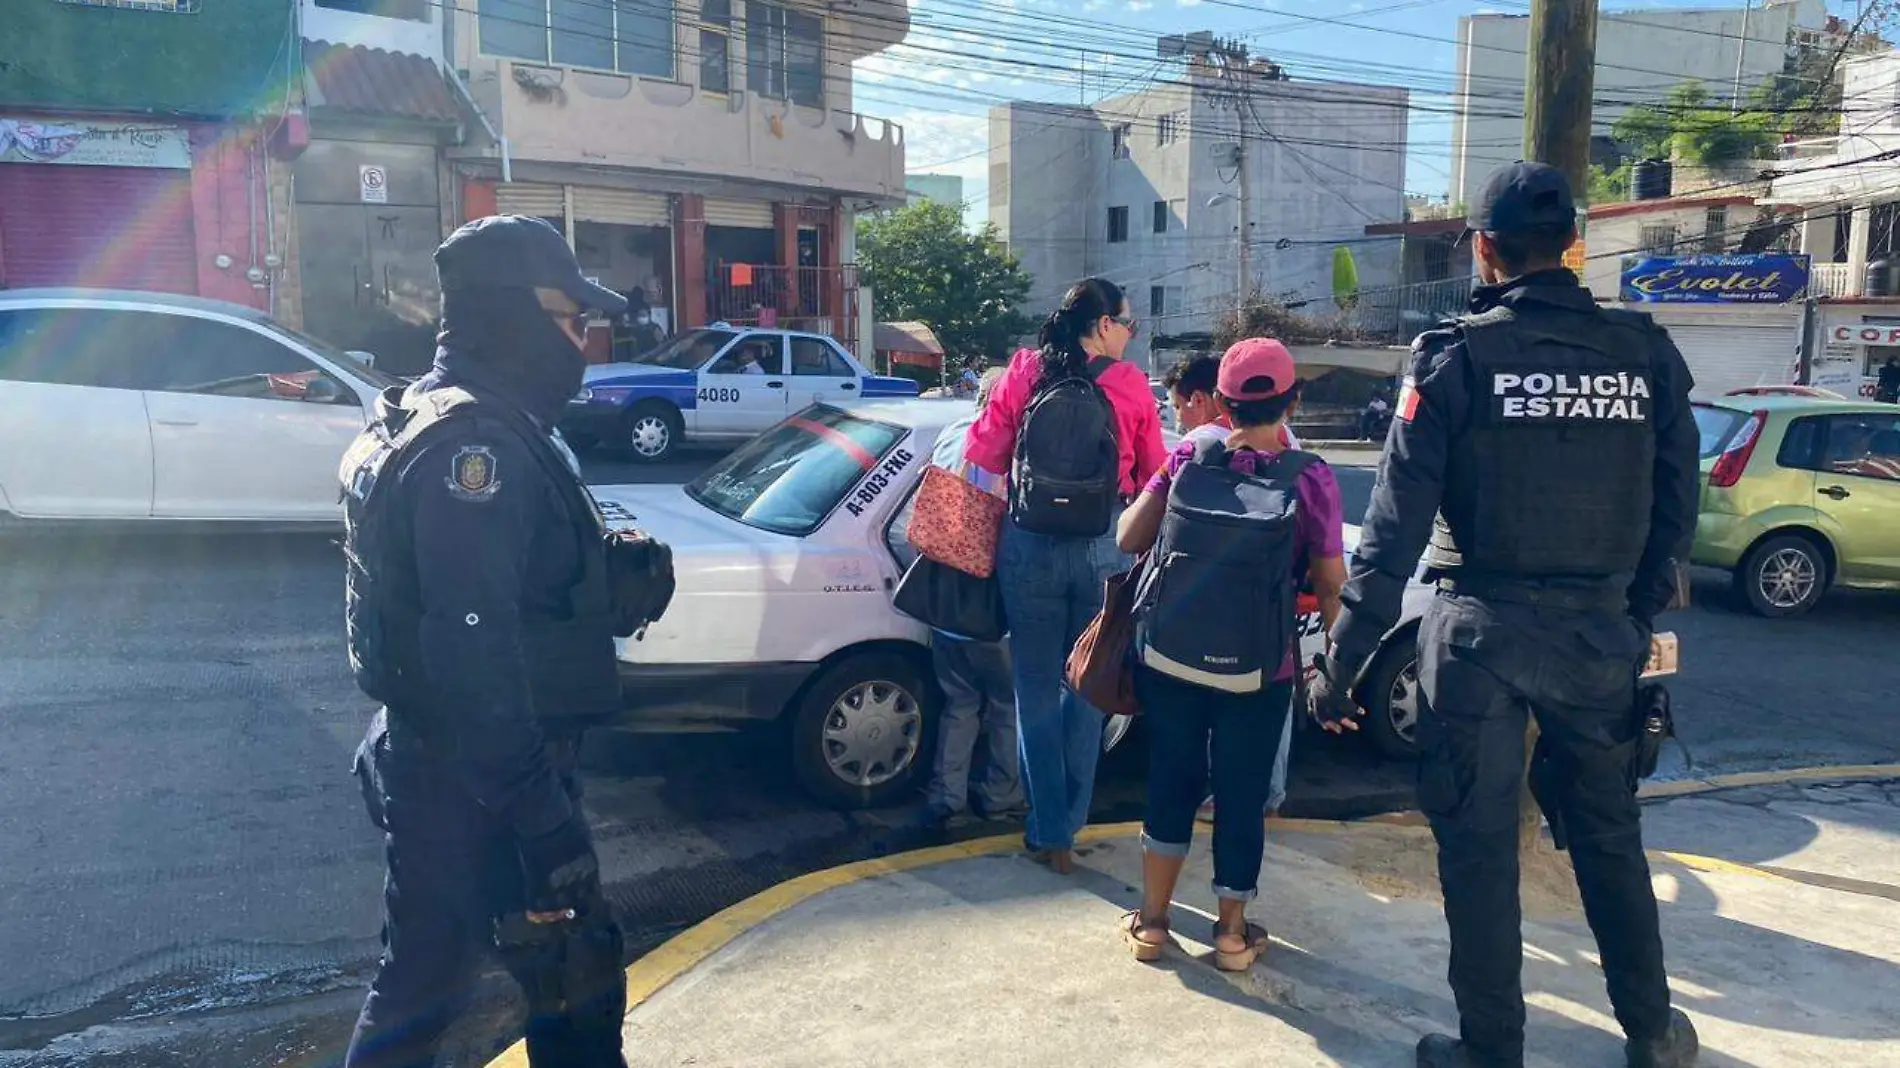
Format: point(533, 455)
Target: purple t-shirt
point(1318, 526)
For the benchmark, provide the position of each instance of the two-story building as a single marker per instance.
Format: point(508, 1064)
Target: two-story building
point(134, 144)
point(703, 152)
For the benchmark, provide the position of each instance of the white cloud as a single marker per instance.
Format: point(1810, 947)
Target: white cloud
point(1139, 5)
point(1187, 3)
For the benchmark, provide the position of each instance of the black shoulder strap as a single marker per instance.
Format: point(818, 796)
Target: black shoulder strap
point(1097, 367)
point(1291, 463)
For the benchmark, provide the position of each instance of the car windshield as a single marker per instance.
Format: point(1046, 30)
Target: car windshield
point(349, 364)
point(789, 478)
point(1716, 427)
point(688, 351)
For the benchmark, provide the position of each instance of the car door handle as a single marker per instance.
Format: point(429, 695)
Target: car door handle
point(776, 385)
point(1839, 493)
point(176, 422)
point(848, 385)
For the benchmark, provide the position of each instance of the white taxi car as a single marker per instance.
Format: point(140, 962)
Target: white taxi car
point(716, 383)
point(121, 405)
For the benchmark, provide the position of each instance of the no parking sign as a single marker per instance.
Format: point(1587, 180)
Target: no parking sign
point(373, 184)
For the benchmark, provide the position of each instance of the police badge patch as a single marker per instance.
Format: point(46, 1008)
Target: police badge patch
point(472, 474)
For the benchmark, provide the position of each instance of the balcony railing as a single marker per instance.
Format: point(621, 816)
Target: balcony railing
point(1833, 280)
point(1405, 310)
point(820, 300)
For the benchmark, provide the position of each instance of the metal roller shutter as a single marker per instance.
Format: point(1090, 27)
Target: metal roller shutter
point(752, 214)
point(1730, 348)
point(624, 206)
point(528, 198)
point(113, 227)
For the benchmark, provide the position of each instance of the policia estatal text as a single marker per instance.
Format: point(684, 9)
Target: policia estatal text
point(484, 595)
point(1546, 450)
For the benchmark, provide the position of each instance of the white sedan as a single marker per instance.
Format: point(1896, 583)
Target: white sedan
point(121, 405)
point(787, 553)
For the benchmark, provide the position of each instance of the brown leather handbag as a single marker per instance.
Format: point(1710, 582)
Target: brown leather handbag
point(1099, 667)
point(956, 522)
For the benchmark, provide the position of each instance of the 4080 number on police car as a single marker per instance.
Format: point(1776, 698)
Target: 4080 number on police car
point(715, 395)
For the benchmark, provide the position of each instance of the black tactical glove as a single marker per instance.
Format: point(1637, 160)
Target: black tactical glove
point(1329, 698)
point(561, 869)
point(639, 580)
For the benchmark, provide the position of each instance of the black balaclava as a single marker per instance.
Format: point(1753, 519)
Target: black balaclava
point(502, 341)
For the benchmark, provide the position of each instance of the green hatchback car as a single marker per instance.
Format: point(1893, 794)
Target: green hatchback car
point(1799, 494)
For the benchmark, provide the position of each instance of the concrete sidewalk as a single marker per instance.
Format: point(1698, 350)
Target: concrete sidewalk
point(1781, 909)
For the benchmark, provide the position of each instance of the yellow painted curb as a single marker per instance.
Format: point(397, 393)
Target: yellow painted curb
point(681, 953)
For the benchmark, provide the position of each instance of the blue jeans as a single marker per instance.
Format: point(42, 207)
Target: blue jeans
point(1052, 588)
point(1187, 725)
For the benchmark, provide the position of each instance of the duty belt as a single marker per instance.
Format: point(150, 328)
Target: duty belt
point(1520, 592)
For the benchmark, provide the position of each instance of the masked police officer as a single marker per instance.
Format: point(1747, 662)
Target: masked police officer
point(1546, 450)
point(479, 615)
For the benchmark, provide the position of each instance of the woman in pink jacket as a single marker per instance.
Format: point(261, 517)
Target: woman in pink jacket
point(1052, 584)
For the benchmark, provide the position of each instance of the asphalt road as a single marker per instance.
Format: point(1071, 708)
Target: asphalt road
point(189, 877)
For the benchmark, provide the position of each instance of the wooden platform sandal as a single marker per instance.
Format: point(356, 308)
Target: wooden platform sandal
point(1255, 939)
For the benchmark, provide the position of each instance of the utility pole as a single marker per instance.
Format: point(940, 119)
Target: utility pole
point(1559, 77)
point(1244, 161)
point(1741, 52)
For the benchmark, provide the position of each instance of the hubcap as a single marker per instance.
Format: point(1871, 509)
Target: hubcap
point(1402, 703)
point(872, 733)
point(1787, 578)
point(650, 435)
point(1115, 730)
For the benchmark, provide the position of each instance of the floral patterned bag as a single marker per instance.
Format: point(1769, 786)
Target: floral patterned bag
point(956, 522)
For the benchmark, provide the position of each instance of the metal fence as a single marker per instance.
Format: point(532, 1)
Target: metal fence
point(822, 300)
point(1403, 311)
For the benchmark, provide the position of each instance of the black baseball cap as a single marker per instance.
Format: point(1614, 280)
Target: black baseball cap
point(519, 251)
point(1523, 198)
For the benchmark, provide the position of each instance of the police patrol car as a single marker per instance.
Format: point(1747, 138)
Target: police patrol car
point(787, 553)
point(716, 383)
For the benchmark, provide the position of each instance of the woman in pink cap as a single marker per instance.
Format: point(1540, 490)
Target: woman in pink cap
point(1192, 726)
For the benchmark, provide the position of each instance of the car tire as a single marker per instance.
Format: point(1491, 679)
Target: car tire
point(1783, 576)
point(863, 729)
point(1393, 698)
point(650, 431)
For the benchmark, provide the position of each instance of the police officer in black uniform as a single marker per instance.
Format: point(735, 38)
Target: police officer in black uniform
point(479, 615)
point(1546, 450)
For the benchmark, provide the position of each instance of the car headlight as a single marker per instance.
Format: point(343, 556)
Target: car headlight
point(609, 394)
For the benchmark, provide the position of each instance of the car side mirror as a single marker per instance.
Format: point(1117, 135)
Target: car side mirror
point(326, 390)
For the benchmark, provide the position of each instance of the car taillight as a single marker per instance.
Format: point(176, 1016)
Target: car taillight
point(1734, 459)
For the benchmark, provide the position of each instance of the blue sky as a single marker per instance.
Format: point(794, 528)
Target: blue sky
point(964, 55)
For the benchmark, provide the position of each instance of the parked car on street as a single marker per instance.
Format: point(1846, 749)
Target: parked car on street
point(1799, 494)
point(119, 405)
point(787, 553)
point(716, 383)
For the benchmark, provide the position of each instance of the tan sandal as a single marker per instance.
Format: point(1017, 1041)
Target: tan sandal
point(1145, 951)
point(1241, 960)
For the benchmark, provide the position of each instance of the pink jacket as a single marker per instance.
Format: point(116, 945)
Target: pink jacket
point(992, 440)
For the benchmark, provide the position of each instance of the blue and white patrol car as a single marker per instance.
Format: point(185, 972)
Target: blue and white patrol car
point(716, 383)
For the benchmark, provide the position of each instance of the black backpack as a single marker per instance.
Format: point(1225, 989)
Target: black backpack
point(1065, 478)
point(1216, 602)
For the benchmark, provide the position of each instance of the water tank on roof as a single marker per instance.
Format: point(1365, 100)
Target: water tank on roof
point(1650, 179)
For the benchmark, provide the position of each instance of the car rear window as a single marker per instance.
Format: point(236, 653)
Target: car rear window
point(1716, 427)
point(788, 479)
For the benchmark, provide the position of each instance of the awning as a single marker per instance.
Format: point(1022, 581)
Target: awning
point(907, 338)
point(371, 81)
point(1381, 361)
point(931, 360)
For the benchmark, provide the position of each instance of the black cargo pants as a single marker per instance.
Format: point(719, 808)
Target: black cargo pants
point(454, 868)
point(1484, 665)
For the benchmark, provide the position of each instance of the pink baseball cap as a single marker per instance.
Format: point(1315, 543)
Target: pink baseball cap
point(1256, 368)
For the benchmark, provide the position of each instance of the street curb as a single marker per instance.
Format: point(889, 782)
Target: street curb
point(683, 952)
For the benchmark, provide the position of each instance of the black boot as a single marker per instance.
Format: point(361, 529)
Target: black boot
point(1444, 1051)
point(1677, 1048)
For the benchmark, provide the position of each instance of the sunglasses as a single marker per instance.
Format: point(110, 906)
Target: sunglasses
point(1128, 323)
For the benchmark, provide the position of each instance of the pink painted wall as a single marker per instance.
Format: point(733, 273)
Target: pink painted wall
point(227, 179)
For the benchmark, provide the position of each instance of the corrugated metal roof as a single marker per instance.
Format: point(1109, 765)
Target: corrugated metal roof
point(371, 81)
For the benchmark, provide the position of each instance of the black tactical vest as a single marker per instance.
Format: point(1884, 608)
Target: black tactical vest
point(1552, 477)
point(573, 672)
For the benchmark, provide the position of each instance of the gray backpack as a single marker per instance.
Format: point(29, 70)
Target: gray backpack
point(1216, 601)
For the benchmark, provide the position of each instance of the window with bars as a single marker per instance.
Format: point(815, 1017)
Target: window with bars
point(628, 36)
point(1164, 300)
point(1168, 127)
point(1657, 239)
point(1118, 138)
point(1117, 225)
point(785, 54)
point(1715, 229)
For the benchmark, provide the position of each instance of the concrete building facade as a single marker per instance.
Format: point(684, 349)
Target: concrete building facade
point(1641, 54)
point(1145, 189)
point(945, 189)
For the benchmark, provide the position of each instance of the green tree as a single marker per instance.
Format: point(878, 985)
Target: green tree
point(1697, 129)
point(923, 266)
point(1608, 185)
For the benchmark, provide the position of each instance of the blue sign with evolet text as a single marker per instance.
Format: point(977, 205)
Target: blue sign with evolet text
point(1743, 278)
